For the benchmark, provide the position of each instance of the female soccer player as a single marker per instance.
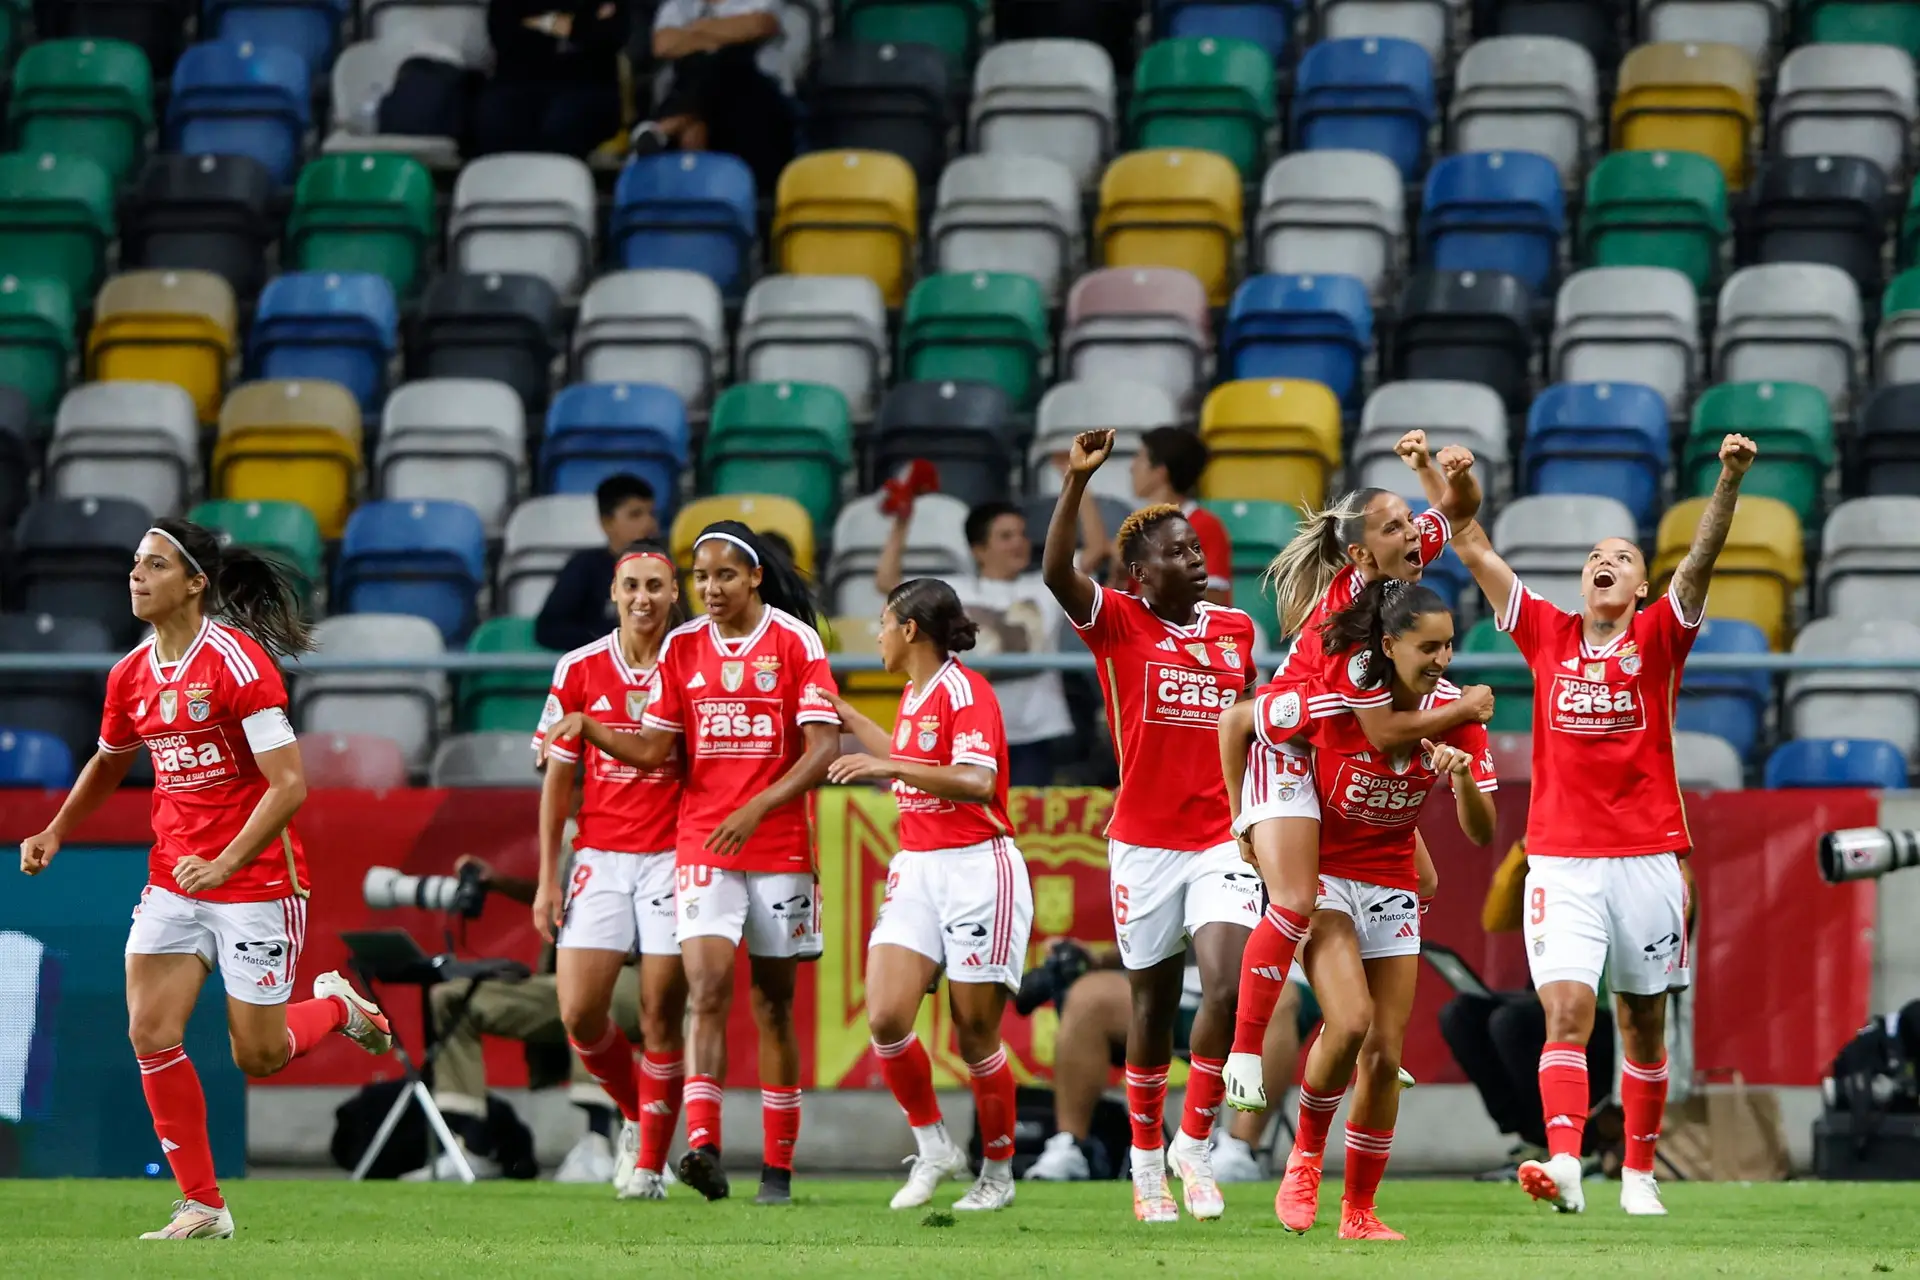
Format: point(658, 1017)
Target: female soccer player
point(748, 687)
point(957, 892)
point(618, 897)
point(1606, 830)
point(1390, 647)
point(1169, 664)
point(208, 700)
point(1364, 536)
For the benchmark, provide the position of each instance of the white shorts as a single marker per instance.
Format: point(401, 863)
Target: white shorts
point(620, 902)
point(968, 909)
point(1626, 916)
point(1387, 921)
point(1162, 897)
point(255, 945)
point(776, 913)
point(1279, 784)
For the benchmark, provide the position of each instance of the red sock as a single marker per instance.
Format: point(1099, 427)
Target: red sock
point(609, 1060)
point(703, 1111)
point(1316, 1118)
point(311, 1021)
point(1563, 1096)
point(1643, 1097)
point(779, 1124)
point(662, 1076)
point(1146, 1105)
point(1205, 1088)
point(179, 1112)
point(908, 1071)
point(1367, 1154)
point(1268, 956)
point(993, 1104)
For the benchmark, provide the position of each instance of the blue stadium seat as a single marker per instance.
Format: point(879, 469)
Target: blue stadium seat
point(1300, 326)
point(1268, 25)
point(595, 429)
point(1366, 93)
point(31, 759)
point(342, 326)
point(1837, 762)
point(1494, 211)
point(311, 28)
point(1727, 704)
point(425, 558)
point(1603, 438)
point(239, 98)
point(692, 210)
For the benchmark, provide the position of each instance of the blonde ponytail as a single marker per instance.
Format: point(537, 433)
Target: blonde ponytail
point(1300, 575)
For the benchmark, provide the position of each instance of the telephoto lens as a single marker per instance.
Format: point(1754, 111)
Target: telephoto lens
point(1866, 853)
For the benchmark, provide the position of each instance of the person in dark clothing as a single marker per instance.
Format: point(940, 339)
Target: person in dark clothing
point(1497, 1037)
point(556, 78)
point(723, 87)
point(577, 611)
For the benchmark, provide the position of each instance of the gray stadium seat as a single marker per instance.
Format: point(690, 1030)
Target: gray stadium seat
point(138, 440)
point(1547, 539)
point(1009, 213)
point(461, 439)
point(497, 759)
point(1629, 324)
point(355, 761)
point(363, 75)
point(1707, 762)
point(1428, 25)
point(666, 327)
point(405, 706)
point(1051, 98)
point(1846, 99)
point(1512, 756)
point(1861, 703)
point(1791, 322)
point(1462, 413)
point(541, 534)
point(936, 547)
point(1139, 324)
point(1870, 559)
point(830, 330)
point(459, 25)
point(1129, 409)
point(526, 214)
point(1325, 212)
point(1752, 26)
point(1528, 93)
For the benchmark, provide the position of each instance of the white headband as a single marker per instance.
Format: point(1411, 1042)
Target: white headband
point(741, 543)
point(188, 555)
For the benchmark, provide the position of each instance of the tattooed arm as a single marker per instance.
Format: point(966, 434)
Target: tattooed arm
point(1695, 571)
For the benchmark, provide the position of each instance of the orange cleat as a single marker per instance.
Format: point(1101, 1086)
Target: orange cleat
point(1299, 1199)
point(1364, 1224)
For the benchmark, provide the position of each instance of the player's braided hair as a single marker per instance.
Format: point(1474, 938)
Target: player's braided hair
point(1135, 528)
point(780, 582)
point(1306, 566)
point(933, 607)
point(253, 593)
point(1385, 607)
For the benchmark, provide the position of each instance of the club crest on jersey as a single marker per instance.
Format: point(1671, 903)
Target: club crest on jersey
point(1595, 671)
point(199, 704)
point(902, 735)
point(732, 676)
point(766, 673)
point(929, 732)
point(636, 703)
point(1630, 664)
point(1229, 652)
point(169, 705)
point(1199, 651)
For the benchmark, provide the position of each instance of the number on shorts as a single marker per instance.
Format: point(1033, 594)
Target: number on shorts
point(581, 875)
point(693, 877)
point(1538, 901)
point(1119, 904)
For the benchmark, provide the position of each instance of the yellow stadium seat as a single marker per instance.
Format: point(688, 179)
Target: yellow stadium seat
point(1173, 207)
point(1270, 440)
point(876, 694)
point(1702, 98)
point(763, 513)
point(849, 213)
point(291, 440)
point(1759, 569)
point(165, 326)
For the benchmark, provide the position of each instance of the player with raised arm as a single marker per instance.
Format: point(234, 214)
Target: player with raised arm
point(617, 896)
point(748, 687)
point(1362, 537)
point(1389, 647)
point(957, 892)
point(227, 878)
point(1169, 663)
point(1606, 830)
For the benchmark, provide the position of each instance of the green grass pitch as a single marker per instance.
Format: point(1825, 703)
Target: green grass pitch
point(311, 1230)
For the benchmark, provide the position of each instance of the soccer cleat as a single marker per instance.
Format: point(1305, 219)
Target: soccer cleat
point(645, 1184)
point(929, 1169)
point(194, 1221)
point(1364, 1224)
point(1246, 1083)
point(366, 1025)
point(589, 1160)
point(1151, 1203)
point(700, 1169)
point(776, 1185)
point(626, 1156)
point(1061, 1160)
point(1191, 1161)
point(1298, 1201)
point(1556, 1181)
point(989, 1192)
point(1233, 1160)
point(1640, 1195)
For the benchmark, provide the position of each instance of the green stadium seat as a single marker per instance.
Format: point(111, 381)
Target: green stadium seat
point(285, 531)
point(951, 26)
point(91, 98)
point(794, 439)
point(56, 219)
point(1843, 22)
point(977, 326)
point(36, 341)
point(1512, 690)
point(1209, 94)
point(370, 213)
point(487, 701)
point(1656, 209)
point(1257, 530)
point(1790, 423)
point(1909, 246)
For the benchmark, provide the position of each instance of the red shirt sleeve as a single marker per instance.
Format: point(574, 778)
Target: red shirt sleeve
point(979, 735)
point(117, 732)
point(1676, 631)
point(1105, 627)
point(563, 699)
point(268, 688)
point(816, 683)
point(1342, 686)
point(1280, 714)
point(1435, 534)
point(1528, 619)
point(666, 710)
point(1473, 738)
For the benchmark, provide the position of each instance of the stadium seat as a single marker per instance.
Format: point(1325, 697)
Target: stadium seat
point(1143, 324)
point(1512, 690)
point(1896, 340)
point(1706, 762)
point(138, 440)
point(426, 558)
point(662, 326)
point(485, 701)
point(362, 77)
point(883, 97)
point(1883, 456)
point(1462, 413)
point(830, 330)
point(63, 705)
point(1688, 97)
point(30, 759)
point(1470, 326)
point(598, 429)
point(692, 210)
point(1836, 762)
point(1494, 211)
point(1789, 422)
point(371, 213)
point(541, 534)
point(1037, 511)
point(484, 761)
point(1908, 246)
point(1316, 327)
point(311, 28)
point(1270, 440)
point(966, 429)
point(166, 326)
point(158, 27)
point(1728, 704)
point(18, 452)
point(70, 558)
point(1128, 409)
point(457, 25)
point(851, 213)
point(204, 213)
point(352, 761)
point(456, 440)
point(1257, 531)
point(504, 327)
point(1366, 94)
point(950, 26)
point(527, 214)
point(1656, 209)
point(876, 694)
point(1870, 559)
point(56, 220)
point(1791, 322)
point(1859, 22)
point(1110, 25)
point(1205, 94)
point(1606, 438)
point(1630, 324)
point(978, 327)
point(285, 531)
point(763, 513)
point(936, 548)
point(1759, 570)
point(1172, 208)
point(90, 98)
point(1428, 25)
point(236, 98)
point(36, 340)
point(1546, 540)
point(340, 327)
point(1266, 26)
point(1846, 100)
point(1513, 752)
point(401, 705)
point(1869, 703)
point(1333, 211)
point(793, 439)
point(1009, 213)
point(1047, 98)
point(1527, 93)
point(1821, 209)
point(1752, 26)
point(291, 441)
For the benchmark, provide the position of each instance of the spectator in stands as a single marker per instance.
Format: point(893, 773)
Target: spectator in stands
point(577, 610)
point(556, 77)
point(723, 84)
point(1167, 469)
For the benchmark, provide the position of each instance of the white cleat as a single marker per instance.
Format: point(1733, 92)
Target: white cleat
point(366, 1025)
point(989, 1192)
point(1246, 1082)
point(1151, 1203)
point(645, 1184)
point(194, 1221)
point(626, 1156)
point(590, 1160)
point(1061, 1160)
point(1640, 1195)
point(1191, 1161)
point(1556, 1181)
point(928, 1170)
point(1234, 1161)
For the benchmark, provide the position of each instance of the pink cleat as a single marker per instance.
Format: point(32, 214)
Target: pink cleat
point(1364, 1224)
point(1299, 1200)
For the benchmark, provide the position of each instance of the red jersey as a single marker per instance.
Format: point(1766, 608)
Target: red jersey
point(1304, 661)
point(203, 718)
point(622, 809)
point(954, 720)
point(1165, 687)
point(1605, 784)
point(1215, 545)
point(740, 704)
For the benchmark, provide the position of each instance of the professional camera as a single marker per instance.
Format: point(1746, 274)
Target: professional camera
point(1066, 961)
point(458, 895)
point(1866, 853)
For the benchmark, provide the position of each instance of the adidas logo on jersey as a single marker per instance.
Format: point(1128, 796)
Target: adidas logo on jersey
point(1168, 645)
point(1571, 664)
point(601, 704)
point(699, 680)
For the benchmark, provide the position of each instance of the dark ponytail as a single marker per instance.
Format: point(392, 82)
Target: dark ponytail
point(932, 606)
point(245, 589)
point(1385, 607)
point(654, 547)
point(781, 584)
